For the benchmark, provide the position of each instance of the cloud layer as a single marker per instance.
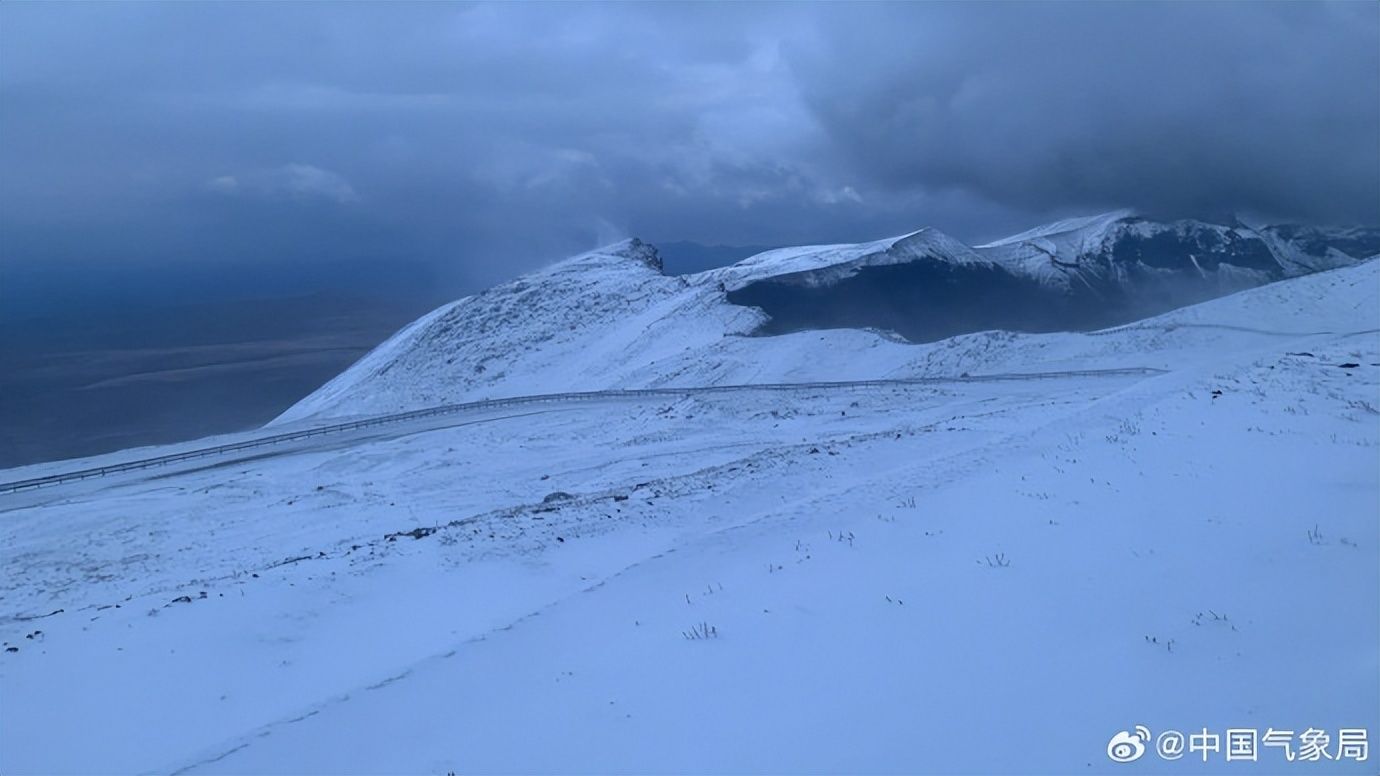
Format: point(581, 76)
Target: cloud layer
point(482, 139)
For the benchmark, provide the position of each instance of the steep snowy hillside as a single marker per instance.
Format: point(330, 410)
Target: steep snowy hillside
point(962, 576)
point(825, 265)
point(1114, 251)
point(604, 319)
point(609, 319)
point(923, 286)
point(579, 324)
point(1122, 253)
point(1076, 274)
point(1304, 249)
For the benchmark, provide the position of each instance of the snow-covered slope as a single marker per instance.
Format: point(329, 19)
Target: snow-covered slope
point(604, 319)
point(1095, 225)
point(610, 319)
point(1116, 251)
point(975, 577)
point(824, 265)
point(1304, 249)
point(580, 324)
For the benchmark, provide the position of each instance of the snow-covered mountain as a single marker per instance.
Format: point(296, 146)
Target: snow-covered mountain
point(597, 320)
point(1118, 251)
point(895, 578)
point(826, 265)
point(1075, 274)
point(1304, 249)
point(610, 318)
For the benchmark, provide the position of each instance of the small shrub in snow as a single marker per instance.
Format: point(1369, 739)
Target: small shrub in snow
point(1124, 431)
point(998, 561)
point(700, 632)
point(1155, 640)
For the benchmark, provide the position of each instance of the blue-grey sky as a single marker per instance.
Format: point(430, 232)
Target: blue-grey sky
point(469, 142)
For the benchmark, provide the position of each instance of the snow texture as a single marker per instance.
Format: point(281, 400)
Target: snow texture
point(954, 577)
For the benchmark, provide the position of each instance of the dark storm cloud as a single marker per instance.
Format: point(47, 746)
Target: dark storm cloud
point(1192, 109)
point(480, 139)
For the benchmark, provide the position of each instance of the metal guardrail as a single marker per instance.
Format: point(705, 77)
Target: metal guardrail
point(451, 409)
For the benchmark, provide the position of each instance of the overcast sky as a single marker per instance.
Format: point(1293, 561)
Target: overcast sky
point(486, 139)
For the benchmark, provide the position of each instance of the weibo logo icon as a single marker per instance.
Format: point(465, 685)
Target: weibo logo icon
point(1128, 746)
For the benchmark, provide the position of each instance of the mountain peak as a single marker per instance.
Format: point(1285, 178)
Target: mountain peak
point(816, 265)
point(633, 248)
point(1095, 223)
point(630, 251)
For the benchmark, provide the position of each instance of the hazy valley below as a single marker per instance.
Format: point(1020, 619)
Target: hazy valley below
point(81, 385)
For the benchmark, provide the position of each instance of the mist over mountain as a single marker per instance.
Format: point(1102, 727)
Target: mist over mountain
point(92, 378)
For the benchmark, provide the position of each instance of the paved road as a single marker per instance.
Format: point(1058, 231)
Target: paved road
point(355, 430)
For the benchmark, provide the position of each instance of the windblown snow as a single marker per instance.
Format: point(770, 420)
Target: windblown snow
point(1057, 537)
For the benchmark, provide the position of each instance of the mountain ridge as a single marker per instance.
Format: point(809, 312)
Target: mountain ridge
point(610, 318)
point(1074, 274)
